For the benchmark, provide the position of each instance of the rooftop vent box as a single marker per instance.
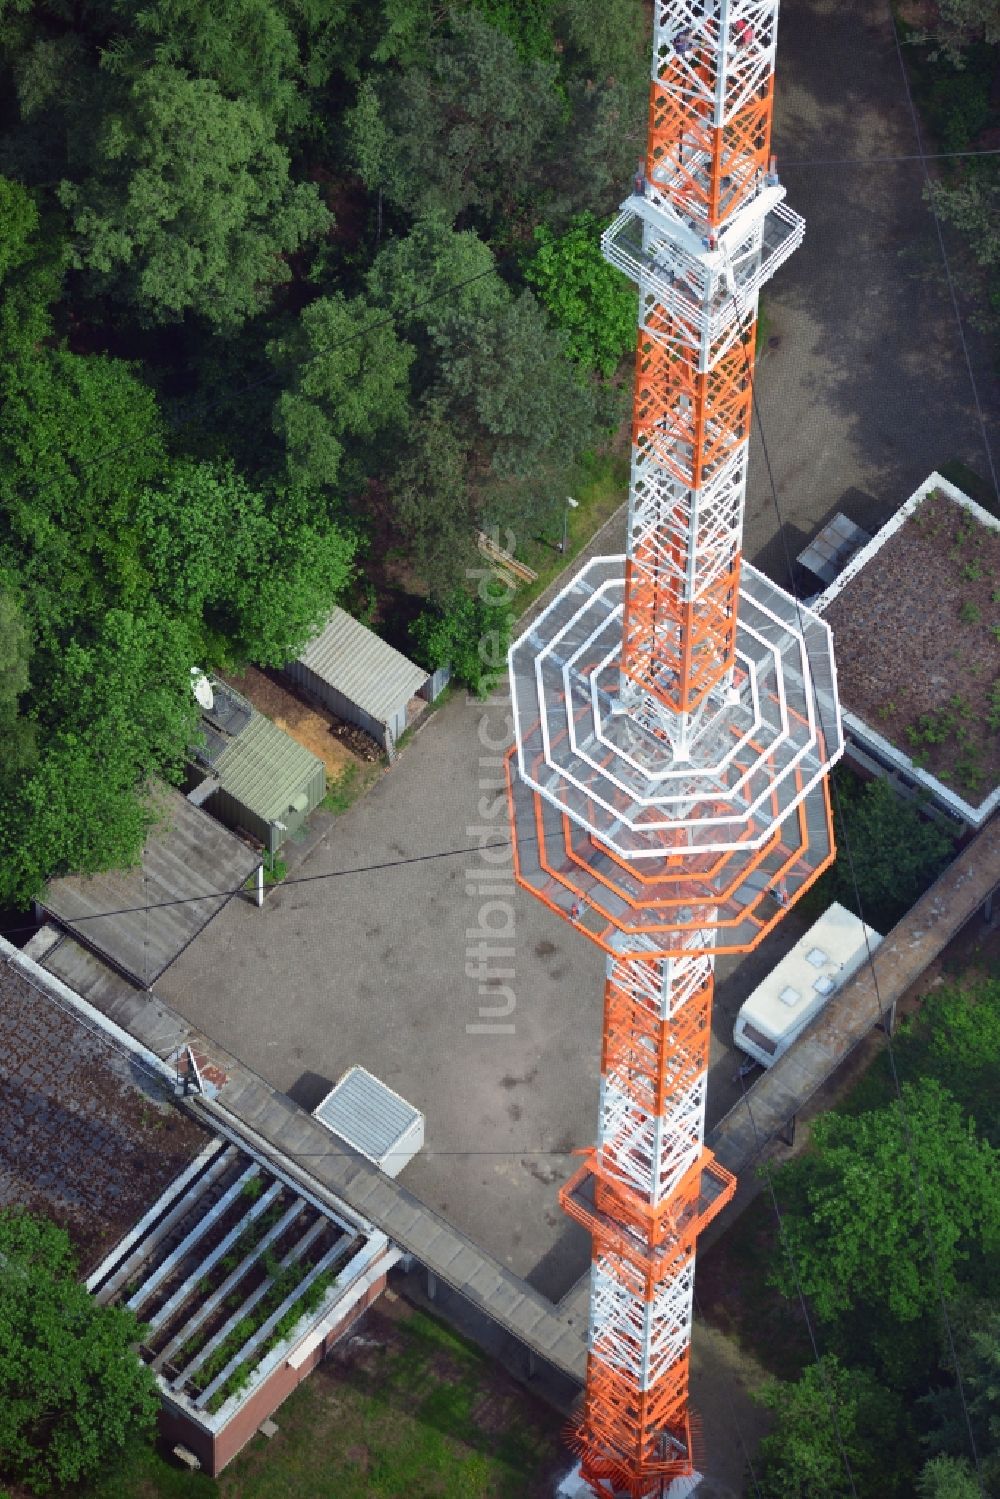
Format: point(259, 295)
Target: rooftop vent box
point(373, 1119)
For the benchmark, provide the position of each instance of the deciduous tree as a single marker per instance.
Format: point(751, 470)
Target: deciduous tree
point(958, 23)
point(248, 47)
point(79, 436)
point(956, 1039)
point(73, 1393)
point(434, 272)
point(835, 1434)
point(31, 272)
point(948, 1478)
point(432, 501)
point(459, 129)
point(113, 706)
point(17, 734)
point(892, 1215)
point(947, 1414)
point(522, 408)
point(587, 299)
point(187, 204)
point(302, 565)
point(884, 847)
point(468, 633)
point(345, 374)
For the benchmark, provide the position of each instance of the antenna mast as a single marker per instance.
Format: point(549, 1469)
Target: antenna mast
point(676, 716)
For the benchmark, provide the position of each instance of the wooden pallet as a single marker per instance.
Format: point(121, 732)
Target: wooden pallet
point(512, 571)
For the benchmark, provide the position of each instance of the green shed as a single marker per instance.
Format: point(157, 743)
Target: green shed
point(252, 774)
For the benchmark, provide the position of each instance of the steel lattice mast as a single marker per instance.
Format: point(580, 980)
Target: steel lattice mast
point(675, 715)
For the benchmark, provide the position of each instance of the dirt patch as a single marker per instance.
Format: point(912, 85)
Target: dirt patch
point(308, 725)
point(916, 639)
point(360, 746)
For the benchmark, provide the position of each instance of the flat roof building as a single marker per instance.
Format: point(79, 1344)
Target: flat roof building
point(242, 1269)
point(140, 919)
point(915, 623)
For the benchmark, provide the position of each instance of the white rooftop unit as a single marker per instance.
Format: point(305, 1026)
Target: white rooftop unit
point(800, 985)
point(373, 1119)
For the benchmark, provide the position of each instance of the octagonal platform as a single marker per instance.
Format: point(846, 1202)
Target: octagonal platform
point(660, 835)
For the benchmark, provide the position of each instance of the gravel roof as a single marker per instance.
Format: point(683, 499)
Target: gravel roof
point(89, 1139)
point(914, 636)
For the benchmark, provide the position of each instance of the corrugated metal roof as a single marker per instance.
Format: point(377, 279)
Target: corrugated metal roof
point(264, 768)
point(367, 1114)
point(354, 661)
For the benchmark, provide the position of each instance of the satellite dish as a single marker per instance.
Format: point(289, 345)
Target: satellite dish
point(202, 687)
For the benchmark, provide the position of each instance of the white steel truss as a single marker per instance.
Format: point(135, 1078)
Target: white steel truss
point(675, 714)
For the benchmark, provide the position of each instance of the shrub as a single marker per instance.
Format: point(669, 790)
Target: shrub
point(467, 633)
point(895, 851)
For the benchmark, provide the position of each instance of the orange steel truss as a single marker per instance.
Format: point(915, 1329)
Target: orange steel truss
point(679, 812)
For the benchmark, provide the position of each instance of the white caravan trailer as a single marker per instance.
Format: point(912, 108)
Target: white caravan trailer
point(802, 983)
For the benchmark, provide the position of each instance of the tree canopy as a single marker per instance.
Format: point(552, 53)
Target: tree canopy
point(835, 1432)
point(947, 1414)
point(462, 129)
point(17, 734)
point(891, 1211)
point(955, 24)
point(587, 299)
point(266, 336)
point(187, 204)
point(73, 1393)
point(130, 568)
point(506, 381)
point(887, 852)
point(434, 272)
point(345, 376)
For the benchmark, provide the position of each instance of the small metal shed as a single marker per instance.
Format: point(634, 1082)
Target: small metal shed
point(373, 1119)
point(360, 678)
point(264, 781)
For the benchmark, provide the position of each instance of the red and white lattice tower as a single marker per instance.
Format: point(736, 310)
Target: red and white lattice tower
point(676, 716)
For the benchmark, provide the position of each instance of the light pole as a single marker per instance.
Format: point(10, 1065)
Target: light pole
point(570, 504)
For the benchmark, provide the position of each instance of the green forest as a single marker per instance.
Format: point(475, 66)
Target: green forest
point(886, 1232)
point(294, 296)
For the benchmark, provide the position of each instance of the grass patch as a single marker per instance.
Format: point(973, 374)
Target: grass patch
point(275, 870)
point(428, 1418)
point(343, 791)
point(763, 327)
point(599, 488)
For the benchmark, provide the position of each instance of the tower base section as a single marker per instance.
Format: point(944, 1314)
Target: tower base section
point(575, 1486)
